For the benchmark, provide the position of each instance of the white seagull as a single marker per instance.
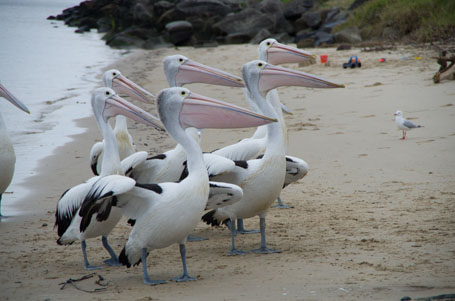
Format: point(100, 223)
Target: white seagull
point(7, 155)
point(115, 80)
point(100, 221)
point(166, 213)
point(261, 179)
point(403, 124)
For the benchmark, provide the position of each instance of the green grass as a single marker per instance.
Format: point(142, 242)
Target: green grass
point(421, 20)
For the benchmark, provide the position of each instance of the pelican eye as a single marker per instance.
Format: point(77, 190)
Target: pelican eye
point(260, 65)
point(268, 43)
point(107, 93)
point(180, 60)
point(114, 73)
point(183, 93)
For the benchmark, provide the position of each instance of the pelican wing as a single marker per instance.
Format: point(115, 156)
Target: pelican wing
point(296, 169)
point(69, 203)
point(95, 153)
point(132, 161)
point(223, 194)
point(102, 196)
point(245, 149)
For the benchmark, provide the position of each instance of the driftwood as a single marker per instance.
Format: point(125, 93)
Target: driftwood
point(446, 69)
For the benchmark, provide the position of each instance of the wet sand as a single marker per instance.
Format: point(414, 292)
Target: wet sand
point(373, 219)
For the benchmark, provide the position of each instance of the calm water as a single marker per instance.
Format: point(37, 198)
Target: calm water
point(52, 70)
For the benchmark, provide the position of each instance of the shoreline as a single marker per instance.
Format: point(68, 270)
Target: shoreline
point(372, 219)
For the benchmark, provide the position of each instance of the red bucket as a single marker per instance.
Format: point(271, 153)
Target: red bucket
point(324, 58)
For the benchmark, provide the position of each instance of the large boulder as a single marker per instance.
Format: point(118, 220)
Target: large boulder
point(143, 13)
point(273, 8)
point(322, 37)
point(203, 8)
point(248, 21)
point(179, 31)
point(332, 18)
point(348, 35)
point(309, 20)
point(261, 36)
point(294, 9)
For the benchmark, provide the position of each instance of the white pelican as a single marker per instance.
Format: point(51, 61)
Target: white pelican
point(166, 213)
point(180, 70)
point(403, 124)
point(101, 220)
point(115, 80)
point(7, 155)
point(261, 179)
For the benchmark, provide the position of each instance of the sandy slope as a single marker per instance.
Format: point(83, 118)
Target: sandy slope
point(373, 218)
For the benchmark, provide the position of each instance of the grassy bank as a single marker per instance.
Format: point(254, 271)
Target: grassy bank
point(419, 20)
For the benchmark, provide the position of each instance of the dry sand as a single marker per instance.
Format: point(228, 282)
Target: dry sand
point(373, 219)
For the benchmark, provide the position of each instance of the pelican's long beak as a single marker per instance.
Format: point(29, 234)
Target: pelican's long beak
point(12, 99)
point(281, 54)
point(193, 72)
point(272, 77)
point(122, 85)
point(115, 105)
point(203, 112)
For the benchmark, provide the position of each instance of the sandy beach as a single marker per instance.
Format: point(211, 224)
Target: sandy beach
point(373, 219)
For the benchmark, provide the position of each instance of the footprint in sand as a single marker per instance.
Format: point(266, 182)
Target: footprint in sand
point(367, 116)
point(447, 105)
point(425, 141)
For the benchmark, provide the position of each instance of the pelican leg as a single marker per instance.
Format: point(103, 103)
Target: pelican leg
point(242, 230)
point(87, 265)
point(1, 216)
point(185, 277)
point(195, 238)
point(234, 251)
point(281, 205)
point(114, 259)
point(147, 279)
point(263, 249)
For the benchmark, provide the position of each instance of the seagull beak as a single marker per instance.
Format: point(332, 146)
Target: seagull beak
point(272, 77)
point(281, 54)
point(123, 85)
point(202, 112)
point(12, 99)
point(115, 105)
point(193, 72)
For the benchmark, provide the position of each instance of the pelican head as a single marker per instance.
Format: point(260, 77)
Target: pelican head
point(12, 99)
point(180, 70)
point(115, 80)
point(266, 77)
point(106, 104)
point(276, 53)
point(193, 110)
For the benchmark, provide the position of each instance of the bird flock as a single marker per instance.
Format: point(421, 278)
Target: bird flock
point(166, 195)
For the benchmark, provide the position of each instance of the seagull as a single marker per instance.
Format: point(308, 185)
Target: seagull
point(166, 213)
point(403, 124)
point(7, 155)
point(122, 85)
point(101, 220)
point(261, 179)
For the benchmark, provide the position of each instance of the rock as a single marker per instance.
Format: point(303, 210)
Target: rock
point(142, 13)
point(169, 16)
point(294, 9)
point(309, 20)
point(283, 38)
point(344, 47)
point(333, 18)
point(273, 8)
point(248, 21)
point(203, 8)
point(203, 30)
point(348, 35)
point(237, 38)
point(322, 37)
point(104, 24)
point(122, 40)
point(306, 43)
point(156, 42)
point(261, 36)
point(179, 31)
point(82, 29)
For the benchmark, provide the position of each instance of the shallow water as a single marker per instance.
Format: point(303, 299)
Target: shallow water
point(52, 70)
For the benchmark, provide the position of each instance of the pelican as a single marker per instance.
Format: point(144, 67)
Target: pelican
point(101, 220)
point(273, 52)
point(115, 80)
point(403, 124)
point(166, 213)
point(7, 155)
point(180, 70)
point(261, 179)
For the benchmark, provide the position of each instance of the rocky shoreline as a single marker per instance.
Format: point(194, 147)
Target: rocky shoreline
point(153, 24)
